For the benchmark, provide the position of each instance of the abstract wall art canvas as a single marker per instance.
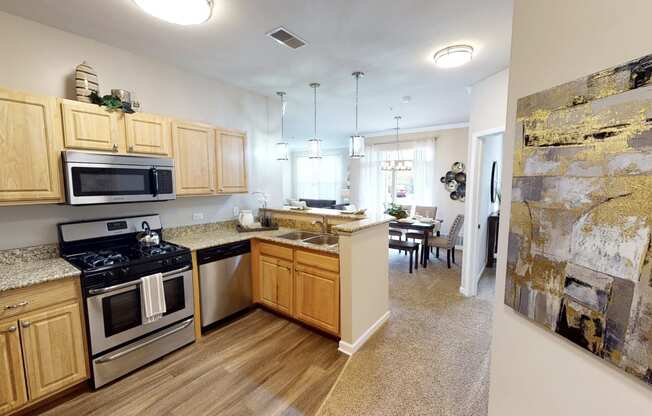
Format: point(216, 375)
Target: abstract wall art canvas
point(580, 257)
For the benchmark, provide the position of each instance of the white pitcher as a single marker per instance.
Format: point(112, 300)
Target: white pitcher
point(246, 218)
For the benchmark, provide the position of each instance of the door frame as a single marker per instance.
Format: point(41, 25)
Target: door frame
point(472, 254)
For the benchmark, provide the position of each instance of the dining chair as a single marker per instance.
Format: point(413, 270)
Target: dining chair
point(448, 241)
point(425, 211)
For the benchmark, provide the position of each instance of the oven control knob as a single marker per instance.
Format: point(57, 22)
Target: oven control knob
point(165, 262)
point(178, 259)
point(124, 271)
point(109, 275)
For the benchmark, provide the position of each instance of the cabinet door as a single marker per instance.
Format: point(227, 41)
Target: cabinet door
point(13, 393)
point(318, 298)
point(284, 287)
point(148, 134)
point(194, 154)
point(53, 349)
point(91, 127)
point(231, 161)
point(268, 279)
point(30, 148)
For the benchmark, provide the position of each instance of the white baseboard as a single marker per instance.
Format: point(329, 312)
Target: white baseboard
point(469, 293)
point(350, 349)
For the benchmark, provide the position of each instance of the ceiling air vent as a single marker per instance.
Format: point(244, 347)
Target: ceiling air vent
point(285, 37)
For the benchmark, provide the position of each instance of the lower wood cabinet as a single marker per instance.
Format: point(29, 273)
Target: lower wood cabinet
point(276, 283)
point(300, 283)
point(317, 299)
point(53, 347)
point(42, 348)
point(13, 390)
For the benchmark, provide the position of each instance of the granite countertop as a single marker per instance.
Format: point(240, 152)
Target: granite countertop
point(30, 272)
point(320, 212)
point(211, 238)
point(354, 226)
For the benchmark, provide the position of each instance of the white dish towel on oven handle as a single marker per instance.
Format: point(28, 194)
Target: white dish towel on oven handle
point(153, 297)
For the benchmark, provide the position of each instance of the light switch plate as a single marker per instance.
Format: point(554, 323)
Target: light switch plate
point(236, 211)
point(197, 216)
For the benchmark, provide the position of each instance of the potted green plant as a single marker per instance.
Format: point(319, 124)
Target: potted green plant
point(397, 211)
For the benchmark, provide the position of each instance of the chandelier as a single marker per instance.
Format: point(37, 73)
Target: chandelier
point(397, 164)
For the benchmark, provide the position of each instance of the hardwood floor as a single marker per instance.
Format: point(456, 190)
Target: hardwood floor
point(258, 365)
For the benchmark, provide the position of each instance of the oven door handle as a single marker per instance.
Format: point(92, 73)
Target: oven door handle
point(133, 283)
point(122, 353)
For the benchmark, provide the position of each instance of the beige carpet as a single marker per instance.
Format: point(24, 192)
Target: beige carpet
point(430, 358)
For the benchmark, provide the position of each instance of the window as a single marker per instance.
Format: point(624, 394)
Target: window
point(413, 187)
point(319, 178)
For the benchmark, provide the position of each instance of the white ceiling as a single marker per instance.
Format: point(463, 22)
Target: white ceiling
point(391, 41)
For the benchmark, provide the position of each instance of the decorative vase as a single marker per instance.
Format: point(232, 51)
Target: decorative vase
point(85, 82)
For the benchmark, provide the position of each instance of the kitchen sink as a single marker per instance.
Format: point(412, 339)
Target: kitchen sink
point(298, 235)
point(322, 240)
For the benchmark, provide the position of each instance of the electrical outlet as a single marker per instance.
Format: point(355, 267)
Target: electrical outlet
point(197, 216)
point(236, 211)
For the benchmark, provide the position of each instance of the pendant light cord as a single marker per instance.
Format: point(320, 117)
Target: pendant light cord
point(315, 95)
point(357, 79)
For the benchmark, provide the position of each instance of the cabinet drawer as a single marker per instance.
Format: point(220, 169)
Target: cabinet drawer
point(18, 301)
point(275, 251)
point(319, 261)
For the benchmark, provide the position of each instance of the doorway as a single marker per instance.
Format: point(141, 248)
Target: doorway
point(482, 211)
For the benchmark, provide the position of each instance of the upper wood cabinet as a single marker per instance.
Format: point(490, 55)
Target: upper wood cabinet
point(13, 392)
point(194, 154)
point(148, 134)
point(91, 127)
point(30, 146)
point(231, 161)
point(53, 349)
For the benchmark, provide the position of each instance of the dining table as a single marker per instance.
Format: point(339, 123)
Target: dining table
point(428, 228)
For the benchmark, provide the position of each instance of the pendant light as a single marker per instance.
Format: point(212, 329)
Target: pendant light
point(314, 144)
point(356, 147)
point(397, 164)
point(282, 145)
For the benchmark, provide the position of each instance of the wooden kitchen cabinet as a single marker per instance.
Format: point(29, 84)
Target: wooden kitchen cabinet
point(231, 156)
point(194, 154)
point(53, 349)
point(42, 343)
point(276, 283)
point(13, 391)
point(30, 149)
point(300, 283)
point(91, 127)
point(317, 290)
point(148, 134)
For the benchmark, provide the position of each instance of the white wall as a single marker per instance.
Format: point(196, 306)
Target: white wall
point(487, 117)
point(42, 61)
point(535, 372)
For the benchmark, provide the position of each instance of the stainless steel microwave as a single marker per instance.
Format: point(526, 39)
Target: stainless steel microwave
point(97, 178)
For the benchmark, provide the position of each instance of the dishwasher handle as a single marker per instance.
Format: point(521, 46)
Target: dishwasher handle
point(209, 255)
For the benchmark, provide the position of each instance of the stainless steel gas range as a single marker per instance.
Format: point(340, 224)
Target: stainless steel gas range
point(112, 262)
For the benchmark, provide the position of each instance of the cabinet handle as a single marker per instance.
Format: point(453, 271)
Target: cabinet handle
point(115, 147)
point(17, 305)
point(11, 329)
point(131, 148)
point(25, 324)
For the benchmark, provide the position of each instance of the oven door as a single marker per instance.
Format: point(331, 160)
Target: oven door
point(99, 183)
point(116, 313)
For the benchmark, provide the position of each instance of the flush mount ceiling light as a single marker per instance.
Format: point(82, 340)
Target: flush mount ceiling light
point(314, 144)
point(356, 147)
point(282, 145)
point(454, 56)
point(180, 12)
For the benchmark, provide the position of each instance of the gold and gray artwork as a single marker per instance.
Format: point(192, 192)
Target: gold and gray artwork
point(580, 257)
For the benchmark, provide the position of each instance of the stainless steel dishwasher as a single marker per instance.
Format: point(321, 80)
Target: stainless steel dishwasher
point(225, 280)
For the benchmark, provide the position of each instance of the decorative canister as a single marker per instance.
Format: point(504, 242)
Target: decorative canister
point(85, 82)
point(122, 95)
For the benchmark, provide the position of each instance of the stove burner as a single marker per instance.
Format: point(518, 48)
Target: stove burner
point(162, 248)
point(103, 258)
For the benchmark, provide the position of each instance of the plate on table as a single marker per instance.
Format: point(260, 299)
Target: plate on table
point(406, 220)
